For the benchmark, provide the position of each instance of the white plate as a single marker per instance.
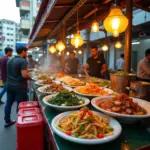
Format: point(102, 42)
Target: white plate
point(106, 89)
point(122, 117)
point(65, 108)
point(40, 89)
point(113, 123)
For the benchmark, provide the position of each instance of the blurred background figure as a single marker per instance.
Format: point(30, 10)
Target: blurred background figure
point(31, 63)
point(72, 64)
point(120, 63)
point(143, 69)
point(3, 70)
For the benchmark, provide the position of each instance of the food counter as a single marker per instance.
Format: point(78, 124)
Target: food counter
point(132, 137)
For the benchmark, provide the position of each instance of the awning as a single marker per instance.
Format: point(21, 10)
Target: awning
point(53, 14)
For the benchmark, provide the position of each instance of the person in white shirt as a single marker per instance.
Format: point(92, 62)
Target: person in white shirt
point(143, 69)
point(120, 63)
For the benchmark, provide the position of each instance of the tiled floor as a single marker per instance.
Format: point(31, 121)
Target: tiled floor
point(7, 135)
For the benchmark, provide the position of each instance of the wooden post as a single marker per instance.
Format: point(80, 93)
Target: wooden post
point(63, 32)
point(128, 37)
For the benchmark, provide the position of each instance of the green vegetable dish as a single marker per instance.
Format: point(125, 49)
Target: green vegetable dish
point(66, 98)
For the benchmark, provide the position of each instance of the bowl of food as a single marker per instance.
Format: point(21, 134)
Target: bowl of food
point(122, 107)
point(74, 83)
point(86, 127)
point(92, 90)
point(65, 100)
point(43, 82)
point(40, 76)
point(53, 88)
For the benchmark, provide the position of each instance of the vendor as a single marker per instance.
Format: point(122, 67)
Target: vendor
point(96, 65)
point(143, 69)
point(31, 63)
point(72, 64)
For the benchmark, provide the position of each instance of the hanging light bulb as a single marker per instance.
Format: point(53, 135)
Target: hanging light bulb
point(105, 47)
point(79, 52)
point(115, 22)
point(95, 27)
point(60, 46)
point(59, 53)
point(77, 40)
point(52, 49)
point(67, 53)
point(118, 44)
point(75, 51)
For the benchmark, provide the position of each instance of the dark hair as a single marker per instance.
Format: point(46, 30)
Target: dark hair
point(94, 47)
point(21, 49)
point(72, 53)
point(147, 52)
point(30, 56)
point(122, 55)
point(8, 49)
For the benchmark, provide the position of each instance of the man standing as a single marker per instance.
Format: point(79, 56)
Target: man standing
point(3, 70)
point(31, 63)
point(96, 65)
point(72, 64)
point(120, 63)
point(17, 76)
point(143, 69)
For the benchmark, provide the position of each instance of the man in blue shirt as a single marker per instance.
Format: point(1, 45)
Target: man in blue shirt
point(17, 77)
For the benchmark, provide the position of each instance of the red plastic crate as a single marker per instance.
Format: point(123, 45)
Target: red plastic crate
point(30, 132)
point(28, 111)
point(29, 104)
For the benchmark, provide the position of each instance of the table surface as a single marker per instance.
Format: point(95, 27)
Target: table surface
point(132, 137)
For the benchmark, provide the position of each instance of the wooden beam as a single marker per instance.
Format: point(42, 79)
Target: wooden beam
point(128, 37)
point(140, 6)
point(79, 4)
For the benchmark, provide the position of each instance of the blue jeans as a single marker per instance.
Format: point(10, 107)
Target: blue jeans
point(3, 90)
point(14, 95)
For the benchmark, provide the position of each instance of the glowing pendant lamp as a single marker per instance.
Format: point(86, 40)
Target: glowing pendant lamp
point(118, 44)
point(52, 49)
point(79, 52)
point(115, 22)
point(95, 27)
point(60, 46)
point(105, 47)
point(77, 40)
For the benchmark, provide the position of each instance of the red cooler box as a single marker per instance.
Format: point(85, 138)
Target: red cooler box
point(29, 104)
point(30, 132)
point(28, 111)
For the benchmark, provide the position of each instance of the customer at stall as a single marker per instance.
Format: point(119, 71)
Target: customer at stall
point(17, 76)
point(72, 64)
point(96, 65)
point(120, 63)
point(3, 70)
point(143, 69)
point(31, 63)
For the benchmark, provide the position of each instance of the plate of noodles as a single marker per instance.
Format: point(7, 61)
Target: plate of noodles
point(74, 83)
point(122, 107)
point(86, 127)
point(92, 90)
point(43, 82)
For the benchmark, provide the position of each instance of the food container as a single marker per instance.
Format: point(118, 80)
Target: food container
point(28, 111)
point(119, 82)
point(29, 104)
point(30, 132)
point(140, 90)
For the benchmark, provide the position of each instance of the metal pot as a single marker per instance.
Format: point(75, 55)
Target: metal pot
point(140, 89)
point(119, 83)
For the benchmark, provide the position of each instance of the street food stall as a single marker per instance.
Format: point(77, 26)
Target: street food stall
point(83, 112)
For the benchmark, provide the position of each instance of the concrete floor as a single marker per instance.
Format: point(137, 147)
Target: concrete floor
point(7, 135)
